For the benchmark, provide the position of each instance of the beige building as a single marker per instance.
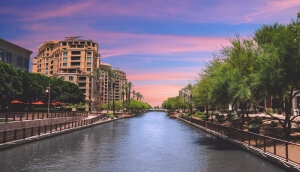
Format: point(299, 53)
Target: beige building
point(106, 94)
point(15, 55)
point(73, 60)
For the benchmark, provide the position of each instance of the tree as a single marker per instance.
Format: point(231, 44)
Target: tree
point(129, 87)
point(123, 93)
point(133, 93)
point(279, 66)
point(10, 86)
point(202, 93)
point(112, 77)
point(138, 94)
point(97, 76)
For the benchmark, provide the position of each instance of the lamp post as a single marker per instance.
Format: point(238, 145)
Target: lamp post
point(48, 91)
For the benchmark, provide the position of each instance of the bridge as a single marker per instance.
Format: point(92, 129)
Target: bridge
point(156, 110)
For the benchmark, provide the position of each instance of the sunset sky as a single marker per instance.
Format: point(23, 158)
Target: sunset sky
point(162, 45)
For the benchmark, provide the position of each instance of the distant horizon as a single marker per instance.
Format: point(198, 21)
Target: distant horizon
point(161, 46)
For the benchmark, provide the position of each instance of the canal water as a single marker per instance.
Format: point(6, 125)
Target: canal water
point(148, 143)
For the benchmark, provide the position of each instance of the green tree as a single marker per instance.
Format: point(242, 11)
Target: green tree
point(112, 77)
point(10, 86)
point(280, 66)
point(129, 87)
point(202, 93)
point(97, 77)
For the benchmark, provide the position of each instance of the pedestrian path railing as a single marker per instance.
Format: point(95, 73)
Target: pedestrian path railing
point(23, 133)
point(21, 116)
point(288, 151)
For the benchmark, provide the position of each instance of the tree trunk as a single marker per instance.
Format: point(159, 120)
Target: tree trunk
point(113, 99)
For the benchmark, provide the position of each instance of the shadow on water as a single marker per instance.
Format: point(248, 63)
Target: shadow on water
point(215, 144)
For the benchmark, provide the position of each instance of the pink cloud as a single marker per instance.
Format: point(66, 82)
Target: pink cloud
point(275, 9)
point(191, 11)
point(158, 44)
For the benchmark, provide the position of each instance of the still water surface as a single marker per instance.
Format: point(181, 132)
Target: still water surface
point(148, 143)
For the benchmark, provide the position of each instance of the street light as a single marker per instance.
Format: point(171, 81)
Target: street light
point(48, 91)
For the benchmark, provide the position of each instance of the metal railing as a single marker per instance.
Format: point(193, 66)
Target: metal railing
point(20, 116)
point(23, 133)
point(268, 144)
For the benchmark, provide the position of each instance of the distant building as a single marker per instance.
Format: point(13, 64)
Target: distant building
point(15, 55)
point(104, 88)
point(73, 60)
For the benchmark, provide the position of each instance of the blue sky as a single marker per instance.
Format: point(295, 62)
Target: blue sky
point(161, 45)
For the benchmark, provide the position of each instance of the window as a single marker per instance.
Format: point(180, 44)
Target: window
point(82, 84)
point(65, 59)
point(75, 58)
point(75, 52)
point(64, 64)
point(71, 78)
point(65, 53)
point(82, 78)
point(75, 63)
point(19, 61)
point(89, 58)
point(89, 52)
point(62, 78)
point(8, 58)
point(88, 63)
point(88, 69)
point(26, 63)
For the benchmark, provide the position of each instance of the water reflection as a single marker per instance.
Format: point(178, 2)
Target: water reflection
point(151, 142)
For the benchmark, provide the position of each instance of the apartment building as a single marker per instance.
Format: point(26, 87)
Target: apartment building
point(108, 95)
point(15, 55)
point(72, 59)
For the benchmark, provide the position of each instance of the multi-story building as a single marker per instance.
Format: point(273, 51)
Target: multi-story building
point(107, 94)
point(15, 55)
point(73, 60)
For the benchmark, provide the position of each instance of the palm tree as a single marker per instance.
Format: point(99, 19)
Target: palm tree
point(141, 96)
point(129, 84)
point(97, 75)
point(124, 88)
point(133, 93)
point(138, 94)
point(112, 77)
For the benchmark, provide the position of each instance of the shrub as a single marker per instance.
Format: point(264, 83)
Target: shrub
point(254, 127)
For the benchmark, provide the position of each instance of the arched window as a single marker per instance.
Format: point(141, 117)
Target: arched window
point(71, 78)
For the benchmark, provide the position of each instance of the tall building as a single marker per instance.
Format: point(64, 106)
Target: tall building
point(104, 88)
point(73, 60)
point(15, 55)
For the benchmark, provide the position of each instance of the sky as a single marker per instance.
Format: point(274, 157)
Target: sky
point(161, 45)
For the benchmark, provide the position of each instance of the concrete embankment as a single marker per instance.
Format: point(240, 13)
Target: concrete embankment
point(54, 133)
point(281, 162)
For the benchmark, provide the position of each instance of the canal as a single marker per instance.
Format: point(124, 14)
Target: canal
point(146, 143)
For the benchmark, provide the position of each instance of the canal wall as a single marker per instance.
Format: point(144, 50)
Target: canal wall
point(279, 161)
point(54, 133)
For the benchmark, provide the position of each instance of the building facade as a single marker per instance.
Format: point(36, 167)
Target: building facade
point(106, 91)
point(73, 60)
point(15, 55)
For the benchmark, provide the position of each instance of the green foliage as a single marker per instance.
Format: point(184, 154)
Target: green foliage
point(254, 127)
point(30, 87)
point(137, 105)
point(201, 115)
